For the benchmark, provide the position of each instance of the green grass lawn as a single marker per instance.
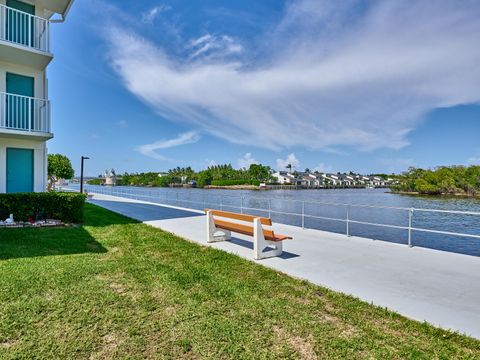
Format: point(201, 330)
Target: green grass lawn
point(116, 288)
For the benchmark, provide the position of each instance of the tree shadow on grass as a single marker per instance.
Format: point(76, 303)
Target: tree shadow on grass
point(98, 216)
point(32, 242)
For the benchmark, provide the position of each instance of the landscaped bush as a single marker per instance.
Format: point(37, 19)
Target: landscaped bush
point(67, 207)
point(235, 182)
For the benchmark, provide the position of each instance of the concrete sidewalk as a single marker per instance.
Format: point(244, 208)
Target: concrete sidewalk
point(428, 285)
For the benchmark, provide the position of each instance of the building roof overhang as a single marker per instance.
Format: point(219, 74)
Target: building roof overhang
point(61, 7)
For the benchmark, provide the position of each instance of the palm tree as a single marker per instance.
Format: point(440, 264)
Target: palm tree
point(289, 166)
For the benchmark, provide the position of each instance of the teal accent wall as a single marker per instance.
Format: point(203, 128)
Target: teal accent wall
point(19, 170)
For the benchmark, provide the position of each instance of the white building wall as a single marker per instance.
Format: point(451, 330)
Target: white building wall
point(39, 146)
point(39, 161)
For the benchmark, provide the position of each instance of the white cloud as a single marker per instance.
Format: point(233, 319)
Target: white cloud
point(213, 46)
point(324, 168)
point(291, 159)
point(182, 139)
point(330, 78)
point(210, 162)
point(149, 16)
point(474, 160)
point(397, 165)
point(246, 161)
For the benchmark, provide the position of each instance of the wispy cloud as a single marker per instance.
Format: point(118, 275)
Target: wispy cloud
point(474, 160)
point(246, 161)
point(324, 168)
point(122, 123)
point(213, 46)
point(149, 16)
point(397, 165)
point(332, 79)
point(182, 139)
point(290, 160)
point(210, 162)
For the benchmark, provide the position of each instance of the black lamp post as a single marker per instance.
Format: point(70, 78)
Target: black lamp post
point(81, 174)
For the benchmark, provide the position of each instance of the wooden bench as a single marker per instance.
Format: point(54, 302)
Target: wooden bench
point(259, 228)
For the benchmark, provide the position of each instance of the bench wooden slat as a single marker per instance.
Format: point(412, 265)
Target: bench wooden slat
point(248, 230)
point(241, 217)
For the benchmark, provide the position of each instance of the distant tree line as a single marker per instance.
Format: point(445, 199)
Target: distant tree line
point(444, 180)
point(213, 175)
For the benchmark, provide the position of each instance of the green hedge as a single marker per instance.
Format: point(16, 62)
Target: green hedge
point(67, 207)
point(235, 182)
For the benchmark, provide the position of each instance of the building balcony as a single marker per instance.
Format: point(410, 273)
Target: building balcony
point(22, 116)
point(24, 38)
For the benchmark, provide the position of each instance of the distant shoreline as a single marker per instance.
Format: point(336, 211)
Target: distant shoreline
point(232, 187)
point(248, 187)
point(445, 195)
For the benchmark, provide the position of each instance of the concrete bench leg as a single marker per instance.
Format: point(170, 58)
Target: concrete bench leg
point(259, 243)
point(212, 229)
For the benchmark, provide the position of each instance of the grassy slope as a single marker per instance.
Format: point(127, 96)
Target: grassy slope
point(117, 288)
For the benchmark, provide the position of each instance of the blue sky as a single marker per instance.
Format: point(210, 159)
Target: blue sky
point(359, 85)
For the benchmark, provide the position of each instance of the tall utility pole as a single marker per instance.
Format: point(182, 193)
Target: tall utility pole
point(81, 173)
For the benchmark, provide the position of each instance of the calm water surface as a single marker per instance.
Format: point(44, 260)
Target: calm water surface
point(320, 203)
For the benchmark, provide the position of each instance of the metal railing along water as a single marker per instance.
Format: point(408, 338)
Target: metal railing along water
point(21, 28)
point(24, 113)
point(219, 201)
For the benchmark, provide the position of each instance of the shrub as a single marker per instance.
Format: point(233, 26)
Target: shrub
point(67, 207)
point(97, 181)
point(235, 182)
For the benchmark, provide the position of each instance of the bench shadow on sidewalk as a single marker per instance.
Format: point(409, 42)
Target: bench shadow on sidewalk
point(249, 245)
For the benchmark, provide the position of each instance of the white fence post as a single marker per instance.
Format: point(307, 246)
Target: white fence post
point(303, 215)
point(348, 220)
point(410, 216)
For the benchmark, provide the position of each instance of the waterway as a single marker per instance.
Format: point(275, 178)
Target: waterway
point(328, 209)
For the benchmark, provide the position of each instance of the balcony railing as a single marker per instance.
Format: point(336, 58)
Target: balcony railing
point(24, 29)
point(24, 113)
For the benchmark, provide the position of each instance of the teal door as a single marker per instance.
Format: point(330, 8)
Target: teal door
point(20, 108)
point(19, 25)
point(19, 170)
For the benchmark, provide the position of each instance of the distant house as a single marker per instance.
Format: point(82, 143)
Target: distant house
point(332, 179)
point(309, 180)
point(362, 180)
point(283, 177)
point(347, 180)
point(377, 181)
point(24, 105)
point(110, 178)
